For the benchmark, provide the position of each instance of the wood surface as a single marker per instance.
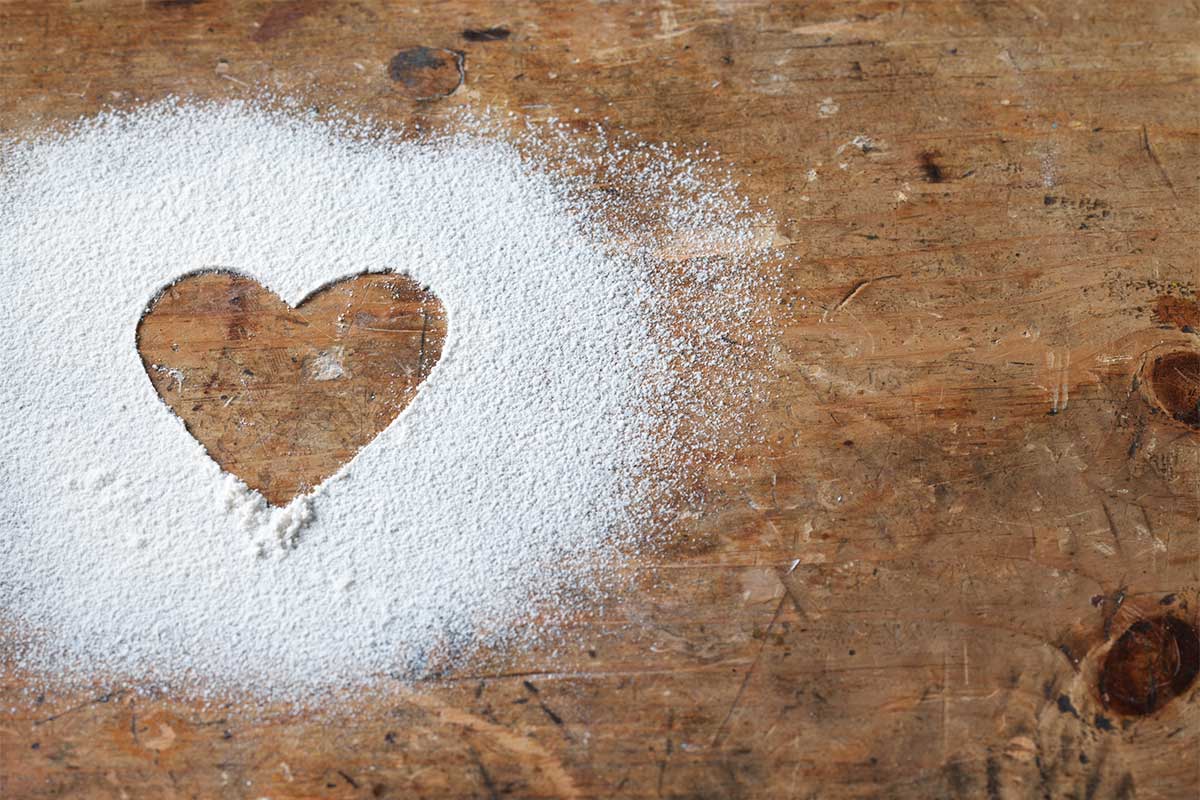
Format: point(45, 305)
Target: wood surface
point(966, 560)
point(282, 397)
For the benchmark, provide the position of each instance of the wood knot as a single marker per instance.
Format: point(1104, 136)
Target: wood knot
point(1150, 664)
point(1175, 383)
point(428, 73)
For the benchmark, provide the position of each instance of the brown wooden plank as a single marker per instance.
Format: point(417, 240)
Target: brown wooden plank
point(974, 486)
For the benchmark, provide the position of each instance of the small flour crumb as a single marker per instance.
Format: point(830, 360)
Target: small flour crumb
point(328, 365)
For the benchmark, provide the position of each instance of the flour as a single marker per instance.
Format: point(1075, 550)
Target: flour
point(328, 365)
point(601, 348)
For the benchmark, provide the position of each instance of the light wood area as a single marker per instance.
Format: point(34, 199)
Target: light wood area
point(966, 560)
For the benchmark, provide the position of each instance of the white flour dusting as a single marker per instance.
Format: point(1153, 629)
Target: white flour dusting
point(599, 351)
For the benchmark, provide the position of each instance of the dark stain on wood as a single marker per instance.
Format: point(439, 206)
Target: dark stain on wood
point(1066, 706)
point(1175, 381)
point(428, 73)
point(1150, 664)
point(1178, 311)
point(930, 169)
point(283, 17)
point(486, 34)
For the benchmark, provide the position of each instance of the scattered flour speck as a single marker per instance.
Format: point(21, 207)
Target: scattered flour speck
point(602, 346)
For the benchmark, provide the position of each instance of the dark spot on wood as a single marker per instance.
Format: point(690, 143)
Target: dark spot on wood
point(1103, 723)
point(177, 3)
point(378, 790)
point(1066, 706)
point(959, 779)
point(1167, 600)
point(486, 34)
point(1153, 662)
point(993, 778)
point(390, 737)
point(1071, 657)
point(549, 712)
point(1177, 311)
point(35, 746)
point(1175, 381)
point(428, 73)
point(488, 782)
point(1049, 200)
point(353, 783)
point(528, 685)
point(929, 166)
point(283, 17)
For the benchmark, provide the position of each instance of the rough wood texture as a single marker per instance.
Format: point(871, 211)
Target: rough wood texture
point(279, 396)
point(967, 560)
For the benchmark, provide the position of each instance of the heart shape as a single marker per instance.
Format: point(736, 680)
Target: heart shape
point(279, 396)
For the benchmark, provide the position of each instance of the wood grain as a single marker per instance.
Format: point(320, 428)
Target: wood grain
point(280, 396)
point(973, 507)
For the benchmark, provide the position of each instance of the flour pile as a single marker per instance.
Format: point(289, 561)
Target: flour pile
point(596, 359)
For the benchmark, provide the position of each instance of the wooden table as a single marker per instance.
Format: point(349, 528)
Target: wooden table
point(970, 545)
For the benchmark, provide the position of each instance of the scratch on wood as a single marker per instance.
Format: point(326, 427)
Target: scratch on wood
point(104, 698)
point(945, 703)
point(550, 713)
point(522, 746)
point(488, 782)
point(737, 698)
point(1112, 525)
point(1158, 164)
point(662, 764)
point(856, 291)
point(424, 332)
